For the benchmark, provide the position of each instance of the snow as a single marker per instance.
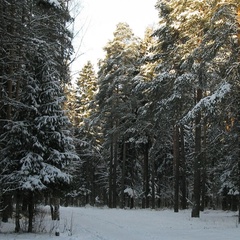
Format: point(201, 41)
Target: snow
point(55, 3)
point(89, 223)
point(208, 102)
point(129, 191)
point(189, 14)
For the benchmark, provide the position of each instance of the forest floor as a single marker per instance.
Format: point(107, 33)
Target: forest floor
point(89, 223)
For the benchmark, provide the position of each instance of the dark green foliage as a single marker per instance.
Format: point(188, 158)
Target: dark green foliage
point(35, 141)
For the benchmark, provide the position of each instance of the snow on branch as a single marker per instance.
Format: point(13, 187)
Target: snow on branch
point(129, 192)
point(54, 3)
point(208, 103)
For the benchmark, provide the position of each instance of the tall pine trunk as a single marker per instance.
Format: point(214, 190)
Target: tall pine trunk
point(176, 167)
point(197, 162)
point(203, 167)
point(183, 171)
point(145, 201)
point(153, 183)
point(114, 184)
point(110, 193)
point(7, 197)
point(238, 131)
point(123, 174)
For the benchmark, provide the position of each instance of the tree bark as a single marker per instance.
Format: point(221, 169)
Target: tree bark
point(17, 214)
point(238, 121)
point(145, 202)
point(30, 211)
point(239, 167)
point(153, 184)
point(110, 205)
point(204, 171)
point(183, 172)
point(176, 167)
point(197, 162)
point(114, 185)
point(11, 73)
point(123, 174)
point(7, 207)
point(55, 208)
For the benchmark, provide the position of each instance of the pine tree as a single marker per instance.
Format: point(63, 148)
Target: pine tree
point(116, 105)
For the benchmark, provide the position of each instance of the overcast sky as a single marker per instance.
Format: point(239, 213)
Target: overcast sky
point(99, 18)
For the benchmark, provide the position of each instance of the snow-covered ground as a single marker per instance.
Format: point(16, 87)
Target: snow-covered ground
point(117, 224)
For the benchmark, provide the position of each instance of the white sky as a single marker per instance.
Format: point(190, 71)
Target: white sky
point(99, 18)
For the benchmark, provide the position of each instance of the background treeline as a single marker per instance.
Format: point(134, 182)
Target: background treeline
point(158, 125)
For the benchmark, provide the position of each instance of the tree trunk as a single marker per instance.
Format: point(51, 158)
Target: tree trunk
point(7, 198)
point(238, 136)
point(24, 202)
point(197, 162)
point(183, 172)
point(238, 123)
point(145, 203)
point(176, 167)
point(110, 177)
point(114, 185)
point(123, 174)
point(17, 214)
point(30, 211)
point(55, 208)
point(93, 187)
point(239, 167)
point(7, 207)
point(153, 184)
point(204, 171)
point(11, 73)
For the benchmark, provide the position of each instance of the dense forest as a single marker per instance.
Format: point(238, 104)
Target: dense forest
point(157, 126)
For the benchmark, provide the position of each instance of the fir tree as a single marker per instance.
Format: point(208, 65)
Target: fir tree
point(36, 145)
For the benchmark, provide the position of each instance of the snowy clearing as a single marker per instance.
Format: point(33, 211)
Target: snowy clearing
point(117, 224)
